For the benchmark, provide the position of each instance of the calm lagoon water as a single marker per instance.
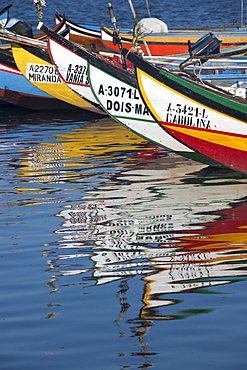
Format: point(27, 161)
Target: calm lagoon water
point(116, 254)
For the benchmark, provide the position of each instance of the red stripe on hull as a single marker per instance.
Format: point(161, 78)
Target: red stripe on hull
point(159, 49)
point(233, 158)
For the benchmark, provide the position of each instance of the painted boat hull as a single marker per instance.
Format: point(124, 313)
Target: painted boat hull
point(116, 91)
point(173, 42)
point(86, 35)
point(38, 69)
point(209, 122)
point(73, 71)
point(120, 98)
point(15, 89)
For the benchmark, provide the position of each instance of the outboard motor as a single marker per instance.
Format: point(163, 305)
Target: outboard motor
point(206, 45)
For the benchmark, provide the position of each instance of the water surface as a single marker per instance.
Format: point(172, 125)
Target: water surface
point(115, 253)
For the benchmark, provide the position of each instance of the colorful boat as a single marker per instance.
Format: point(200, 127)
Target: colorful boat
point(15, 26)
point(208, 121)
point(173, 41)
point(71, 68)
point(15, 89)
point(115, 89)
point(36, 66)
point(87, 35)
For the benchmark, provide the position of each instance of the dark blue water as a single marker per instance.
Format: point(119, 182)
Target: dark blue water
point(175, 13)
point(114, 253)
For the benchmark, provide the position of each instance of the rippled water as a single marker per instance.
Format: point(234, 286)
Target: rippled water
point(176, 13)
point(117, 254)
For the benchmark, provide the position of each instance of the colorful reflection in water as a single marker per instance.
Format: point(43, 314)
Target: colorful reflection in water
point(114, 209)
point(148, 215)
point(177, 233)
point(173, 243)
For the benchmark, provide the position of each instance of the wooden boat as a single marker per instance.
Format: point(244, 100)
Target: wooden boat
point(71, 68)
point(36, 66)
point(89, 36)
point(223, 70)
point(16, 90)
point(210, 122)
point(15, 26)
point(115, 89)
point(174, 41)
point(60, 28)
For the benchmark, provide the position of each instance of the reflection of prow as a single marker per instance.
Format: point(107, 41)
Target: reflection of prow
point(214, 257)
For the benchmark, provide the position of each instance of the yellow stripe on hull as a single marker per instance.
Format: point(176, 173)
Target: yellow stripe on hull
point(59, 90)
point(227, 140)
point(228, 37)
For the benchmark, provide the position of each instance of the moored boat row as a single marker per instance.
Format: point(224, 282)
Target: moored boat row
point(173, 108)
point(218, 125)
point(152, 36)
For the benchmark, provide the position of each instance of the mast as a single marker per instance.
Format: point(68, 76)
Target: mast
point(242, 14)
point(148, 9)
point(132, 9)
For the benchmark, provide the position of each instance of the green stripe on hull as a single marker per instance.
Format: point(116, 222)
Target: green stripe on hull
point(131, 118)
point(200, 158)
point(220, 99)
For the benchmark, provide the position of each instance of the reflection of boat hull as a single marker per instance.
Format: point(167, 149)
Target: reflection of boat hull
point(154, 219)
point(94, 142)
point(195, 255)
